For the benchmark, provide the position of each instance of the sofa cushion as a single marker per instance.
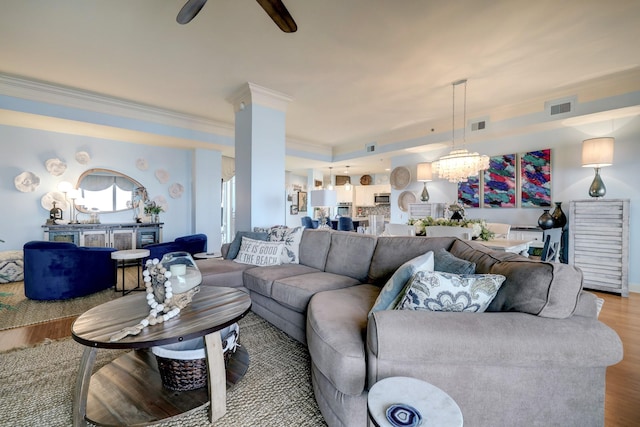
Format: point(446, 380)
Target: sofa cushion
point(392, 290)
point(314, 247)
point(439, 291)
point(545, 289)
point(350, 254)
point(258, 252)
point(539, 288)
point(336, 328)
point(482, 256)
point(446, 262)
point(261, 279)
point(393, 251)
point(234, 247)
point(296, 291)
point(222, 272)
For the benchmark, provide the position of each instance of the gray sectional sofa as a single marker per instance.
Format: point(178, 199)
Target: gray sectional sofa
point(537, 357)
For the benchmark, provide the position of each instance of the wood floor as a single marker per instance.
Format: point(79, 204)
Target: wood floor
point(622, 404)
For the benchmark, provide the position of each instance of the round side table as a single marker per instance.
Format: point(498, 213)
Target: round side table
point(126, 255)
point(207, 255)
point(436, 407)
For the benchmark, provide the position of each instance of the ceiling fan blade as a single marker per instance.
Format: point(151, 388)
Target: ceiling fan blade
point(280, 15)
point(189, 11)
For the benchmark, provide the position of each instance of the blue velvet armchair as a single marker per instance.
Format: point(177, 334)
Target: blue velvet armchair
point(61, 270)
point(193, 244)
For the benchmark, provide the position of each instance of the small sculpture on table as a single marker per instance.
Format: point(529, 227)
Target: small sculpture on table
point(138, 200)
point(55, 214)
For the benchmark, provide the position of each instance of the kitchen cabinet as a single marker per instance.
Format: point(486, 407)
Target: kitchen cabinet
point(364, 193)
point(115, 235)
point(599, 243)
point(344, 196)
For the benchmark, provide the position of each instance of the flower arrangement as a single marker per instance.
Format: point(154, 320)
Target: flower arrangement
point(152, 208)
point(478, 226)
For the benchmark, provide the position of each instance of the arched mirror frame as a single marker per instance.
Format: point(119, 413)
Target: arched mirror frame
point(109, 172)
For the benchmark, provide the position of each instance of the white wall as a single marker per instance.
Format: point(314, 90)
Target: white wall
point(569, 180)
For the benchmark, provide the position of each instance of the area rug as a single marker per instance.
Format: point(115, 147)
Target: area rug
point(36, 384)
point(18, 310)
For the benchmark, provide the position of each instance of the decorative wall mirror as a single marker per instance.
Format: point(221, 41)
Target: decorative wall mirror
point(107, 191)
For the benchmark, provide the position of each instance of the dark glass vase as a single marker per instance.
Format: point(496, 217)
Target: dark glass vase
point(559, 218)
point(545, 221)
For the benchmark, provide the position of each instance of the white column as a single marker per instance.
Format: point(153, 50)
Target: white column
point(207, 196)
point(260, 156)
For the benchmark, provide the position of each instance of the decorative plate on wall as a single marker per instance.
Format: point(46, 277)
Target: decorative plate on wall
point(400, 178)
point(406, 198)
point(365, 179)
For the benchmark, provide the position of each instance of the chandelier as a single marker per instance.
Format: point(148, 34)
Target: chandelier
point(460, 164)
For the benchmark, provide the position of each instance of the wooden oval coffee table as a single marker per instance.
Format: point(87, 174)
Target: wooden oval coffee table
point(128, 391)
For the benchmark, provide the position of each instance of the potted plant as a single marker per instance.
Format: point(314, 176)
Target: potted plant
point(153, 209)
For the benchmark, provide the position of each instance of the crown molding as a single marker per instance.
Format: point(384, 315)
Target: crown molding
point(74, 98)
point(251, 93)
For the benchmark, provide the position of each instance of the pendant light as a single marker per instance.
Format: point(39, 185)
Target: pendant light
point(460, 164)
point(347, 185)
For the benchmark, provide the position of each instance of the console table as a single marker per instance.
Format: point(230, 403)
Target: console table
point(135, 393)
point(122, 236)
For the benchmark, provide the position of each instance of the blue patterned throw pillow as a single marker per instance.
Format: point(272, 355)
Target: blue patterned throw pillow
point(438, 291)
point(448, 263)
point(392, 290)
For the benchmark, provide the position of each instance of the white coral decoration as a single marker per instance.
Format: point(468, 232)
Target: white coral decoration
point(55, 167)
point(83, 157)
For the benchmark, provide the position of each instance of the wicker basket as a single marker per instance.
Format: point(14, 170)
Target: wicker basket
point(183, 366)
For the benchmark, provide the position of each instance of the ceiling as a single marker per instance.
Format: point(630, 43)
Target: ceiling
point(356, 70)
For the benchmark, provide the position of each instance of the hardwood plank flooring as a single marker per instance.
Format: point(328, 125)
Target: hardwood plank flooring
point(621, 314)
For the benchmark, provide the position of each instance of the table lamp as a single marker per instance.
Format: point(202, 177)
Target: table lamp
point(323, 199)
point(597, 153)
point(424, 175)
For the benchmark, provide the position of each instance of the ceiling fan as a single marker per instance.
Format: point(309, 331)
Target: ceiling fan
point(274, 8)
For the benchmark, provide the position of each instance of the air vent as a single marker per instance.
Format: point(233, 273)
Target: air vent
point(370, 148)
point(478, 125)
point(561, 108)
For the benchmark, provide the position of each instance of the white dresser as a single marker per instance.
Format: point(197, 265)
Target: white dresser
point(599, 243)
